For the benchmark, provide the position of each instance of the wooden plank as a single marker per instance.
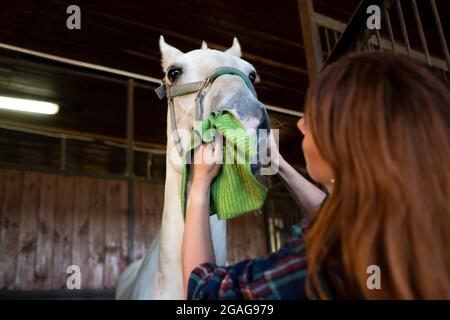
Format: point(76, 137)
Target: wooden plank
point(2, 189)
point(44, 253)
point(230, 241)
point(260, 237)
point(159, 205)
point(238, 230)
point(241, 250)
point(152, 205)
point(29, 215)
point(96, 233)
point(147, 209)
point(112, 234)
point(81, 226)
point(274, 209)
point(253, 236)
point(249, 235)
point(62, 235)
point(124, 224)
point(9, 235)
point(139, 222)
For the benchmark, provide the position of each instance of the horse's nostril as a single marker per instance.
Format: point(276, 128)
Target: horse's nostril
point(264, 124)
point(255, 168)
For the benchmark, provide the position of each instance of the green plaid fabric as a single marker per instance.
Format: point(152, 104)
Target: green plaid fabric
point(235, 190)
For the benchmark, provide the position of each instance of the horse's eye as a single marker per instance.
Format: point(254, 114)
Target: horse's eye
point(252, 76)
point(174, 73)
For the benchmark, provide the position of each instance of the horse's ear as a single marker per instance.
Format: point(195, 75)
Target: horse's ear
point(235, 49)
point(204, 46)
point(168, 53)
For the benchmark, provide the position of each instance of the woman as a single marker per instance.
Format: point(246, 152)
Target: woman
point(377, 136)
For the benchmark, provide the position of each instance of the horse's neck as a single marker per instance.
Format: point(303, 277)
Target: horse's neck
point(170, 281)
point(172, 224)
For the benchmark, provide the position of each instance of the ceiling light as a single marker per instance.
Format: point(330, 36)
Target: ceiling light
point(26, 105)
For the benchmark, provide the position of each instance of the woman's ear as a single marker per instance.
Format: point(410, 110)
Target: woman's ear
point(301, 125)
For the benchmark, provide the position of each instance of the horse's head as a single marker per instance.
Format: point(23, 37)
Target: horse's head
point(232, 89)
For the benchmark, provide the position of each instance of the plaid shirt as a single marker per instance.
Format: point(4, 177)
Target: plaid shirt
point(280, 275)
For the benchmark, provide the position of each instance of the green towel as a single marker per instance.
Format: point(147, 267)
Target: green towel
point(234, 191)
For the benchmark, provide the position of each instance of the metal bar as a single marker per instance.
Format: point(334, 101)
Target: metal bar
point(81, 64)
point(441, 33)
point(130, 128)
point(327, 39)
point(64, 69)
point(50, 134)
point(130, 167)
point(135, 148)
point(329, 23)
point(421, 32)
point(62, 159)
point(403, 25)
point(311, 39)
point(149, 165)
point(335, 37)
point(377, 34)
point(43, 133)
point(77, 173)
point(368, 45)
point(71, 71)
point(389, 26)
point(285, 111)
point(400, 48)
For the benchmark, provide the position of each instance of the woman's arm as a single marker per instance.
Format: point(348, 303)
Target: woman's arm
point(305, 194)
point(197, 247)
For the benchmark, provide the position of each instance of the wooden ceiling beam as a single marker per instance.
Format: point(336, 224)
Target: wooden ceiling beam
point(311, 39)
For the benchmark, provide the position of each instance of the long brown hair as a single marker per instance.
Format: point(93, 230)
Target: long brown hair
point(382, 122)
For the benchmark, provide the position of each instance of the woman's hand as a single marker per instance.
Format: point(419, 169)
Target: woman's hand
point(274, 153)
point(197, 246)
point(207, 163)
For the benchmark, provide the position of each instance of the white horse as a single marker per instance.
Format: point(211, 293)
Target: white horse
point(159, 274)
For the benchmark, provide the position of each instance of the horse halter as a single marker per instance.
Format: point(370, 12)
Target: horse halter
point(199, 87)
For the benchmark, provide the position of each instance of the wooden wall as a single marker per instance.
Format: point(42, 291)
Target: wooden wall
point(50, 221)
point(246, 238)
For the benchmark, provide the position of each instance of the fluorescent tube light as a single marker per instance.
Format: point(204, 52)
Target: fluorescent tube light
point(28, 105)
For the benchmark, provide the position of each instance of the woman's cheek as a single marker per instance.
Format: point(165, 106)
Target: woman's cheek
point(308, 152)
point(313, 159)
